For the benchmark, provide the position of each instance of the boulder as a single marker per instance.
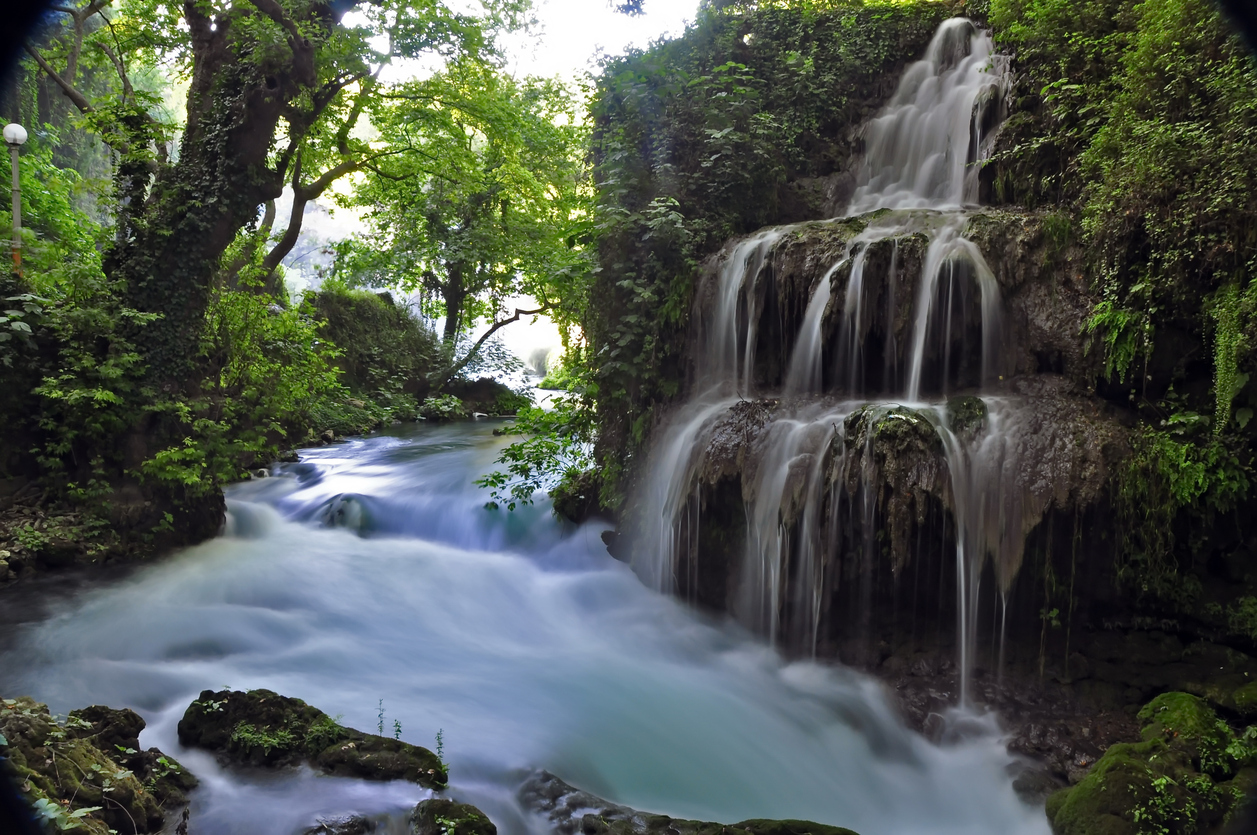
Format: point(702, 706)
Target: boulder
point(88, 772)
point(440, 816)
point(263, 728)
point(1187, 775)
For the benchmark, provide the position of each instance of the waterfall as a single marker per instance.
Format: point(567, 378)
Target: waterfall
point(809, 492)
point(923, 145)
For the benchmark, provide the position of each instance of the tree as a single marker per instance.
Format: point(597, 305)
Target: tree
point(483, 198)
point(275, 89)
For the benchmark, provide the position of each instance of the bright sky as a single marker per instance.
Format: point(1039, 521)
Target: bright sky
point(573, 32)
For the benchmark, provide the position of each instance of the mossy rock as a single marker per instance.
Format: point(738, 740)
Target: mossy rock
point(263, 728)
point(90, 767)
point(967, 415)
point(1244, 700)
point(571, 811)
point(1169, 782)
point(1189, 724)
point(1104, 802)
point(447, 817)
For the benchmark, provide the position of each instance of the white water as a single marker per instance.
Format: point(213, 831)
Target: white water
point(527, 644)
point(921, 162)
point(923, 145)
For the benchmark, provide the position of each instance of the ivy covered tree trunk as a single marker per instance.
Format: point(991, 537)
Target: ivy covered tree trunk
point(168, 254)
point(170, 247)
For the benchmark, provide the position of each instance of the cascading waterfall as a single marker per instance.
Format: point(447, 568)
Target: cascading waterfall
point(920, 164)
point(922, 146)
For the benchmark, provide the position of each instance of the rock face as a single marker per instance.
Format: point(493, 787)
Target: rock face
point(947, 409)
point(570, 811)
point(89, 771)
point(263, 728)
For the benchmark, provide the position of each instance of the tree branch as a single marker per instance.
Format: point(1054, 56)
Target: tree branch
point(449, 374)
point(276, 12)
point(127, 91)
point(78, 99)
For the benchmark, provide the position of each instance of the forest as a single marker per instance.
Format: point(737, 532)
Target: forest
point(1021, 485)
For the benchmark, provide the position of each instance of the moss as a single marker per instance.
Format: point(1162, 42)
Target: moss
point(967, 415)
point(263, 728)
point(1178, 714)
point(1168, 783)
point(90, 766)
point(1103, 802)
point(1245, 701)
point(447, 817)
point(1189, 724)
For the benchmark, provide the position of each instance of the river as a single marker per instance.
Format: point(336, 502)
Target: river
point(516, 635)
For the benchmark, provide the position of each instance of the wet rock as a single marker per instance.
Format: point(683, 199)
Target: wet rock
point(570, 811)
point(343, 825)
point(263, 728)
point(447, 817)
point(895, 452)
point(1035, 784)
point(89, 768)
point(967, 415)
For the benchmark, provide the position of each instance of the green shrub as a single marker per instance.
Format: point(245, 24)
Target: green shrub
point(443, 407)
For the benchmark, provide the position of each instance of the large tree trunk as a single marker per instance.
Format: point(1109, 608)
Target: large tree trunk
point(168, 254)
point(455, 297)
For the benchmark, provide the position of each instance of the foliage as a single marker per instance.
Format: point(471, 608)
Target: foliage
point(1139, 121)
point(381, 343)
point(443, 407)
point(143, 348)
point(558, 448)
point(249, 736)
point(716, 133)
point(481, 198)
point(1172, 470)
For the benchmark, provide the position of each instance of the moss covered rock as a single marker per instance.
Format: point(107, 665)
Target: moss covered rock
point(440, 816)
point(1173, 782)
point(967, 415)
point(263, 728)
point(1244, 701)
point(88, 772)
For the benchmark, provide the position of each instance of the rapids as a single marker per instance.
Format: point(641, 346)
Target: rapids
point(372, 571)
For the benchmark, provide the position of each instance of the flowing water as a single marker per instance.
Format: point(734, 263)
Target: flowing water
point(920, 166)
point(517, 635)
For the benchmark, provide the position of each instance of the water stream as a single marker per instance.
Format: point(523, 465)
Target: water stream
point(516, 634)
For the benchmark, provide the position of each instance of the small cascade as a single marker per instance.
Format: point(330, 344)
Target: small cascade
point(870, 358)
point(923, 146)
point(949, 258)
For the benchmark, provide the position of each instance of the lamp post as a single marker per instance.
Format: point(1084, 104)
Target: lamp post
point(15, 136)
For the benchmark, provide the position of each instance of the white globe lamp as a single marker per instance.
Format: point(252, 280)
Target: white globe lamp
point(14, 134)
